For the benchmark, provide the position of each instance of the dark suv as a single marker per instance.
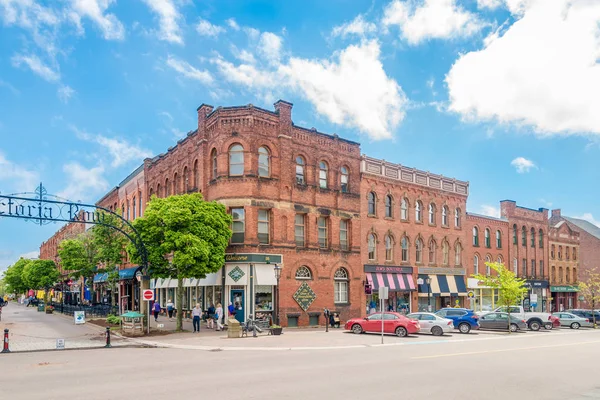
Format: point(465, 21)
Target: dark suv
point(589, 314)
point(463, 318)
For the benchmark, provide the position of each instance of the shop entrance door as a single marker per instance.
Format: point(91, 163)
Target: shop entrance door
point(237, 299)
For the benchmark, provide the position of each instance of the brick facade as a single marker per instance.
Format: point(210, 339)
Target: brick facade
point(49, 248)
point(491, 245)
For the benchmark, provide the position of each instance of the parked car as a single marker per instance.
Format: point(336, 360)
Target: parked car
point(573, 321)
point(499, 320)
point(555, 321)
point(393, 323)
point(535, 320)
point(464, 319)
point(588, 314)
point(431, 323)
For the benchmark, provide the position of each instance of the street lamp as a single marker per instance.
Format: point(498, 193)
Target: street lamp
point(428, 281)
point(277, 270)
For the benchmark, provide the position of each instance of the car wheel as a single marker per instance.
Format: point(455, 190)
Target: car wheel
point(464, 328)
point(514, 327)
point(401, 331)
point(534, 326)
point(437, 331)
point(357, 329)
point(575, 325)
point(548, 326)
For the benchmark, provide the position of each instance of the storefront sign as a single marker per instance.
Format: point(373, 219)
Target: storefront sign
point(441, 271)
point(564, 289)
point(304, 296)
point(388, 269)
point(253, 258)
point(236, 274)
point(538, 284)
point(79, 317)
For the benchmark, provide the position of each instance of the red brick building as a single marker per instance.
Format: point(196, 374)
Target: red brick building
point(412, 231)
point(564, 263)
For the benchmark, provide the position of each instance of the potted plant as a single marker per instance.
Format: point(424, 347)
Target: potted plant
point(276, 329)
point(49, 309)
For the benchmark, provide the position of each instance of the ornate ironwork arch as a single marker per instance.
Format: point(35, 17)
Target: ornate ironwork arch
point(45, 208)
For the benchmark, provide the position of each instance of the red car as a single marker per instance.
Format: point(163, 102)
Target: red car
point(393, 323)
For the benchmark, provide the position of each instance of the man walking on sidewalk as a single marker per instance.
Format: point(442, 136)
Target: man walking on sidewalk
point(196, 313)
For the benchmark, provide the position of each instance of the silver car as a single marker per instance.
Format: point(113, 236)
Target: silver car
point(571, 320)
point(431, 323)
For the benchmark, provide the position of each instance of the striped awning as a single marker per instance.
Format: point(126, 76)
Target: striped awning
point(398, 282)
point(443, 285)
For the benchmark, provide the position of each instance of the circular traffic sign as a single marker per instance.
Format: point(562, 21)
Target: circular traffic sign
point(471, 294)
point(148, 294)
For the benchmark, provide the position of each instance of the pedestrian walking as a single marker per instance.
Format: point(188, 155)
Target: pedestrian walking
point(196, 313)
point(156, 308)
point(231, 309)
point(170, 308)
point(218, 316)
point(210, 321)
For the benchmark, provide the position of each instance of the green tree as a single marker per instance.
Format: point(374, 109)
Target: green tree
point(110, 246)
point(590, 290)
point(186, 237)
point(510, 288)
point(41, 274)
point(13, 276)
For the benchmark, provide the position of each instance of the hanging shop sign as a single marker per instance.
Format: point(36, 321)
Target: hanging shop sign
point(304, 296)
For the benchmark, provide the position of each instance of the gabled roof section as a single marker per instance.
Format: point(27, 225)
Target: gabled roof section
point(585, 225)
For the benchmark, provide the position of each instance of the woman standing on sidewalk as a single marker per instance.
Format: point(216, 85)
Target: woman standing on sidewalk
point(196, 313)
point(210, 321)
point(219, 315)
point(170, 307)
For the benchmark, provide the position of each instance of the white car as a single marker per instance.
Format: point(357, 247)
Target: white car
point(571, 320)
point(431, 323)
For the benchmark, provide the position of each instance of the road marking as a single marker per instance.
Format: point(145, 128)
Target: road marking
point(504, 350)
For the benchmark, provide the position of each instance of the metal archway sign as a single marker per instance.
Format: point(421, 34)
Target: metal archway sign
point(43, 208)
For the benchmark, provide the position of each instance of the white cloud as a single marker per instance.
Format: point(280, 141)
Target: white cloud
point(168, 19)
point(522, 164)
point(542, 72)
point(205, 28)
point(188, 71)
point(232, 24)
point(490, 211)
point(17, 176)
point(31, 255)
point(270, 46)
point(420, 20)
point(547, 204)
point(95, 10)
point(121, 151)
point(243, 55)
point(489, 4)
point(37, 66)
point(358, 26)
point(10, 87)
point(589, 218)
point(84, 182)
point(65, 93)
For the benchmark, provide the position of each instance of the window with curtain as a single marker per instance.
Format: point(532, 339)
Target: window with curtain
point(488, 270)
point(264, 162)
point(487, 238)
point(432, 251)
point(404, 245)
point(388, 248)
point(475, 236)
point(498, 239)
point(445, 253)
point(458, 254)
point(236, 160)
point(419, 251)
point(476, 265)
point(404, 209)
point(371, 246)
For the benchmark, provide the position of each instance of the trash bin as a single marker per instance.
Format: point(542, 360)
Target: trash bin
point(41, 307)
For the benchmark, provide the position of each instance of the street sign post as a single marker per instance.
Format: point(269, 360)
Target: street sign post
point(60, 344)
point(148, 295)
point(383, 295)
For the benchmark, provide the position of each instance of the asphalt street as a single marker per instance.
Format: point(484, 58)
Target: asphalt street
point(554, 365)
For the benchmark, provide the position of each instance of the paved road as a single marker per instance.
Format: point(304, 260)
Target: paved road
point(529, 366)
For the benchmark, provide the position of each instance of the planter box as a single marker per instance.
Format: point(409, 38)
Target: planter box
point(276, 331)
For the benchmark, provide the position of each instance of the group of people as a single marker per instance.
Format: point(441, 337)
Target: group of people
point(211, 316)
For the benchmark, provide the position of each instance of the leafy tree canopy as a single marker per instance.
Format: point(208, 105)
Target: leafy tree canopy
point(40, 274)
point(13, 276)
point(78, 256)
point(589, 288)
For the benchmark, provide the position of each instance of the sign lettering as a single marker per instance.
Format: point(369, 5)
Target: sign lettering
point(304, 296)
point(388, 269)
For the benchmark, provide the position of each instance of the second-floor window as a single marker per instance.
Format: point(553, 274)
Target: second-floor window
point(264, 162)
point(487, 238)
point(344, 180)
point(371, 246)
point(445, 216)
point(236, 160)
point(134, 203)
point(344, 234)
point(404, 245)
point(404, 210)
point(542, 269)
point(533, 268)
point(388, 206)
point(299, 229)
point(524, 236)
point(263, 226)
point(524, 265)
point(388, 248)
point(419, 251)
point(432, 213)
point(322, 232)
point(300, 178)
point(238, 225)
point(418, 211)
point(323, 175)
point(532, 237)
point(475, 236)
point(371, 203)
point(552, 250)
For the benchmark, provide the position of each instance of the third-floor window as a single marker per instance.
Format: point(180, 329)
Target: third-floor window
point(323, 175)
point(263, 226)
point(300, 178)
point(299, 229)
point(264, 162)
point(238, 225)
point(344, 234)
point(344, 180)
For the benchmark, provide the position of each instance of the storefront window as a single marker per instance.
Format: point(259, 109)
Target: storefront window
point(209, 296)
point(219, 295)
point(263, 300)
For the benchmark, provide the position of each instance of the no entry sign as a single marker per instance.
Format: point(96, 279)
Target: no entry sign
point(148, 294)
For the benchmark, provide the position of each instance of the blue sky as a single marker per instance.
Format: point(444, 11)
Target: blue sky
point(502, 93)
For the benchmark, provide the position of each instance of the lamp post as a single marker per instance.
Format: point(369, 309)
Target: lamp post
point(277, 270)
point(428, 281)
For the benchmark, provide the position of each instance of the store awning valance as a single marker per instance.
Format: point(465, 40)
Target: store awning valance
point(443, 285)
point(265, 274)
point(127, 273)
point(101, 278)
point(395, 282)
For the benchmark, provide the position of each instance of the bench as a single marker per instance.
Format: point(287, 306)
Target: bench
point(261, 326)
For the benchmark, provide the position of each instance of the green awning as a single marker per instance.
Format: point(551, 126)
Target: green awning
point(564, 289)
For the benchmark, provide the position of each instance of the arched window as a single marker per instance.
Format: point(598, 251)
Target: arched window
point(457, 218)
point(475, 264)
point(560, 252)
point(158, 191)
point(371, 245)
point(186, 180)
point(344, 180)
point(515, 234)
point(575, 275)
point(404, 245)
point(552, 252)
point(303, 273)
point(475, 236)
point(389, 256)
point(445, 253)
point(196, 177)
point(532, 237)
point(371, 201)
point(323, 169)
point(175, 183)
point(404, 209)
point(432, 247)
point(574, 254)
point(140, 204)
point(150, 193)
point(134, 208)
point(541, 238)
point(419, 252)
point(488, 270)
point(567, 253)
point(418, 211)
point(340, 281)
point(500, 260)
point(498, 239)
point(524, 236)
point(213, 164)
point(431, 213)
point(388, 206)
point(236, 160)
point(553, 274)
point(486, 234)
point(515, 266)
point(300, 178)
point(458, 254)
point(167, 188)
point(445, 215)
point(264, 162)
point(561, 278)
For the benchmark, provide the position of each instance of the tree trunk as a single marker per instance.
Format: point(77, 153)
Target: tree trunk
point(179, 326)
point(509, 332)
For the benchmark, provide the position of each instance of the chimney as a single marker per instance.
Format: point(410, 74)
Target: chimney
point(556, 213)
point(203, 111)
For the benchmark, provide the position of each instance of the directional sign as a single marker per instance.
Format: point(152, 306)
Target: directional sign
point(471, 294)
point(148, 294)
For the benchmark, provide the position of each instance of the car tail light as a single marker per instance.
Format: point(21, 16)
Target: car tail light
point(475, 316)
point(550, 318)
point(450, 323)
point(587, 320)
point(523, 321)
